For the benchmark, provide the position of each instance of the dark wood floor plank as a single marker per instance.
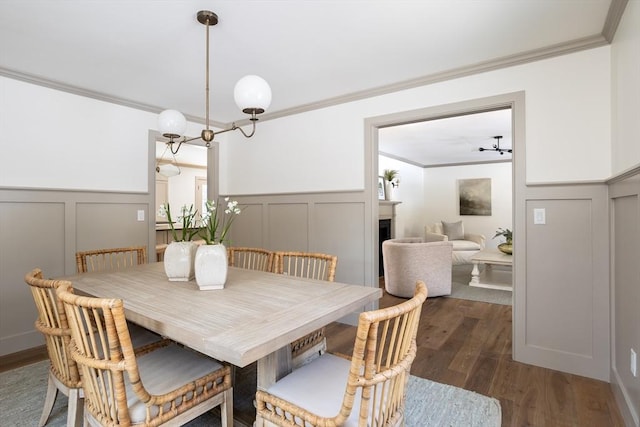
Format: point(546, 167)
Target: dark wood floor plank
point(596, 403)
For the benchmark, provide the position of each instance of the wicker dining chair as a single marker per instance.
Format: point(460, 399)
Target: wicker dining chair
point(250, 258)
point(311, 266)
point(115, 259)
point(63, 370)
point(170, 385)
point(110, 259)
point(376, 376)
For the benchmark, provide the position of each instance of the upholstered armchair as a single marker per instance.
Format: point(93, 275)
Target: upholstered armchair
point(411, 259)
point(465, 245)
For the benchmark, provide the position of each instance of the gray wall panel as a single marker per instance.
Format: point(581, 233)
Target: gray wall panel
point(562, 286)
point(247, 228)
point(32, 235)
point(625, 292)
point(288, 226)
point(559, 277)
point(338, 230)
point(45, 228)
point(110, 225)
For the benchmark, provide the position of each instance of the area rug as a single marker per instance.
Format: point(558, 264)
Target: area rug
point(460, 288)
point(429, 403)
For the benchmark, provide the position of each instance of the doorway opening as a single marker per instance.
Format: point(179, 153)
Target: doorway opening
point(512, 101)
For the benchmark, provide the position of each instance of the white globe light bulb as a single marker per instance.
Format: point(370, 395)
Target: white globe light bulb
point(252, 94)
point(172, 123)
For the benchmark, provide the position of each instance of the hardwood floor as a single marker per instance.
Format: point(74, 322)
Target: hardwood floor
point(468, 344)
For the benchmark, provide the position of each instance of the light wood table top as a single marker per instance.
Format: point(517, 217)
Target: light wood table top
point(256, 315)
point(492, 256)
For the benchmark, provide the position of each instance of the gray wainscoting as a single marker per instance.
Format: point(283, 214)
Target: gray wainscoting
point(331, 223)
point(45, 229)
point(561, 290)
point(624, 195)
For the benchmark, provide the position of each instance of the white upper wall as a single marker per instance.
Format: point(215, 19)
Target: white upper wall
point(409, 221)
point(625, 53)
point(61, 140)
point(442, 201)
point(568, 110)
point(65, 141)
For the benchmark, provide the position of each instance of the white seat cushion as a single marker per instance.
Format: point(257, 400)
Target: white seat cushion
point(164, 370)
point(319, 387)
point(141, 336)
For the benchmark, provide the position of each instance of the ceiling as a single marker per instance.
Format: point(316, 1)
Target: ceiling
point(150, 54)
point(450, 141)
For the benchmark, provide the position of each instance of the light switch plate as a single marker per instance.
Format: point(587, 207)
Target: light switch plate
point(634, 363)
point(539, 216)
point(140, 215)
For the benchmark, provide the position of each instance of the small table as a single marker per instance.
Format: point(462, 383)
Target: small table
point(492, 278)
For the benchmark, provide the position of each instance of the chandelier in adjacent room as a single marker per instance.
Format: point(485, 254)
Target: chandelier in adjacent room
point(496, 147)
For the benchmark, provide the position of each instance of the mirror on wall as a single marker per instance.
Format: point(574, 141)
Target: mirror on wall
point(189, 187)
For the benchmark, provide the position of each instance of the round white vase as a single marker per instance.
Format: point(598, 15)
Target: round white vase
point(211, 266)
point(179, 258)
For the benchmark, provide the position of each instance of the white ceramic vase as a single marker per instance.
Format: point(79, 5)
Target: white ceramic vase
point(211, 266)
point(389, 190)
point(179, 258)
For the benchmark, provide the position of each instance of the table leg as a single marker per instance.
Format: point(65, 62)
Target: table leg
point(475, 273)
point(273, 366)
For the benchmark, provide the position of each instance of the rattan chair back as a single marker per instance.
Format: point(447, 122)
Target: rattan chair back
point(384, 350)
point(101, 346)
point(312, 266)
point(110, 259)
point(250, 258)
point(52, 323)
point(306, 264)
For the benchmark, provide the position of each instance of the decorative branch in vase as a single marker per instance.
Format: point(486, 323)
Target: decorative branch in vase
point(211, 259)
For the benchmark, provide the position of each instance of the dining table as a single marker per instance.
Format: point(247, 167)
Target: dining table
point(253, 318)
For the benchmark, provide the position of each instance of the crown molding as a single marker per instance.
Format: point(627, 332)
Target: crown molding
point(481, 67)
point(76, 90)
point(616, 10)
point(441, 165)
point(577, 45)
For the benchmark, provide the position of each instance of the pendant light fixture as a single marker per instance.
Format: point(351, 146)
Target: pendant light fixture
point(168, 169)
point(252, 95)
point(496, 147)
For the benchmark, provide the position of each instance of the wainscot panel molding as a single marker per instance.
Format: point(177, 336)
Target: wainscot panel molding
point(45, 229)
point(624, 203)
point(333, 222)
point(562, 290)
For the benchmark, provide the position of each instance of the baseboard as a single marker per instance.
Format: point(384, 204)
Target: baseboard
point(624, 401)
point(22, 358)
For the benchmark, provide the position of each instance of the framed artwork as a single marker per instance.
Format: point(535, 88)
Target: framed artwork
point(475, 196)
point(381, 194)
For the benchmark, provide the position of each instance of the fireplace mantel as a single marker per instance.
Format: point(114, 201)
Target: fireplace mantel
point(387, 209)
